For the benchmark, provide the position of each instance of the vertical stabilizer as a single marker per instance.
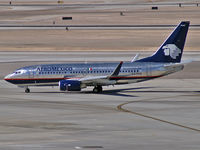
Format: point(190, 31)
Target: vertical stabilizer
point(171, 50)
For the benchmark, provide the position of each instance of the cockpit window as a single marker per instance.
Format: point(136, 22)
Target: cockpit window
point(19, 71)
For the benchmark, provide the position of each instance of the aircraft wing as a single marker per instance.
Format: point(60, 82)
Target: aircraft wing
point(102, 80)
point(98, 80)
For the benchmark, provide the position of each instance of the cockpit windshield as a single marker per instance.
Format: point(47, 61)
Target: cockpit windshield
point(19, 71)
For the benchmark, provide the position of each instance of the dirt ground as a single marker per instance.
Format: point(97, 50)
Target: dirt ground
point(90, 40)
point(94, 40)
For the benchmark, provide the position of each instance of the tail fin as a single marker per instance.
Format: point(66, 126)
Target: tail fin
point(171, 50)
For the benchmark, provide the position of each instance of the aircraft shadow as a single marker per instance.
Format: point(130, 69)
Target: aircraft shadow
point(125, 92)
point(114, 92)
point(117, 92)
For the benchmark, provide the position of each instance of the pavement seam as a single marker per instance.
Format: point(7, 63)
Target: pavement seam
point(120, 107)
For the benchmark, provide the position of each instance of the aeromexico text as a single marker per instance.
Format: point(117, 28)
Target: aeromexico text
point(54, 68)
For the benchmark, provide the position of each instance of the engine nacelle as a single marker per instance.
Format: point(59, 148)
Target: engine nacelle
point(70, 85)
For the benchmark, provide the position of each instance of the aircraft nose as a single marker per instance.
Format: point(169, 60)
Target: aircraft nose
point(7, 77)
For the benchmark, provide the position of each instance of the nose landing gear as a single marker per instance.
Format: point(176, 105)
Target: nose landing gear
point(27, 90)
point(98, 89)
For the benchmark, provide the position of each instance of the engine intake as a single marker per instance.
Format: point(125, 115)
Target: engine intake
point(70, 85)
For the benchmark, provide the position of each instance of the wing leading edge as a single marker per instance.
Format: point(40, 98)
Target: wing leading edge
point(102, 80)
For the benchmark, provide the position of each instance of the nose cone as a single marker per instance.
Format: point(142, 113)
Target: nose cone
point(8, 78)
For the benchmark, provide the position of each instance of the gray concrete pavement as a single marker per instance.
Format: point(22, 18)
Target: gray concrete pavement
point(49, 119)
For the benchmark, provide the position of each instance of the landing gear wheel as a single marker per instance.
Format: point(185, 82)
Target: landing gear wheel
point(27, 90)
point(97, 89)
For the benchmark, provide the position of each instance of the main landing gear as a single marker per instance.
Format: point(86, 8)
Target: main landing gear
point(27, 90)
point(98, 89)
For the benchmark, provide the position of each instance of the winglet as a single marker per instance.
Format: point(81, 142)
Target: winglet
point(117, 70)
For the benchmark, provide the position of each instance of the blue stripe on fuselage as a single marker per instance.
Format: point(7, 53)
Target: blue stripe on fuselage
point(34, 81)
point(56, 80)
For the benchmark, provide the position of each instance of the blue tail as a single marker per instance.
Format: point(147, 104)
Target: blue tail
point(171, 50)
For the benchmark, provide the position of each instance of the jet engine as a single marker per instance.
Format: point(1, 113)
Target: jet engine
point(70, 85)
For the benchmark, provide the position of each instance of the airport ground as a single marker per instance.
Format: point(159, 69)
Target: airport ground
point(153, 115)
point(158, 114)
point(75, 39)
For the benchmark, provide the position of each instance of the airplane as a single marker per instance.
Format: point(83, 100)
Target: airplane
point(74, 77)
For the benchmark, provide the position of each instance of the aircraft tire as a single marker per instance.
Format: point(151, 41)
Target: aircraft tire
point(27, 90)
point(98, 89)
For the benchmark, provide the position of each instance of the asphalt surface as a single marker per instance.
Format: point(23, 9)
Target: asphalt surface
point(153, 115)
